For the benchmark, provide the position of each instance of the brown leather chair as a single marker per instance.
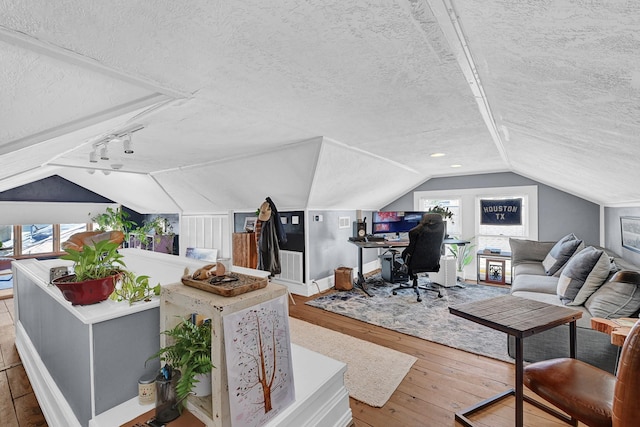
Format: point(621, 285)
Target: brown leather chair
point(78, 240)
point(588, 394)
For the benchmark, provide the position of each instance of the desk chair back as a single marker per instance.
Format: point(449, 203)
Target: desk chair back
point(425, 245)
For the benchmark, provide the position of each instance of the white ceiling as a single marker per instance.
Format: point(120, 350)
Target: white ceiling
point(326, 104)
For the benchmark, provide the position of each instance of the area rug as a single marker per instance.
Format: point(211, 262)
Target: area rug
point(367, 363)
point(429, 319)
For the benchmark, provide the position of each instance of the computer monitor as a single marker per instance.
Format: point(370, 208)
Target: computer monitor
point(395, 222)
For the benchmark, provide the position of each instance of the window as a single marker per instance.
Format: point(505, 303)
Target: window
point(6, 239)
point(454, 225)
point(497, 236)
point(36, 239)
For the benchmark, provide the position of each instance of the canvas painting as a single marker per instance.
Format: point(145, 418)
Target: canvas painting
point(259, 366)
point(630, 231)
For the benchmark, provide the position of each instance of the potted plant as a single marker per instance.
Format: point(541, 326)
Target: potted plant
point(190, 351)
point(134, 288)
point(96, 268)
point(114, 220)
point(164, 235)
point(463, 255)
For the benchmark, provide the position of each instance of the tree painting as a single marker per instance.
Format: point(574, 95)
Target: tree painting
point(259, 366)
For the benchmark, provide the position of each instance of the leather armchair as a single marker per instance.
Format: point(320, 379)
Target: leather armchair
point(78, 240)
point(589, 394)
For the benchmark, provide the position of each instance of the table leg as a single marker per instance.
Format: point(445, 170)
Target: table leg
point(519, 381)
point(573, 345)
point(361, 282)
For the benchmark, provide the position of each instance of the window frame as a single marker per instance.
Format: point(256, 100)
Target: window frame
point(56, 242)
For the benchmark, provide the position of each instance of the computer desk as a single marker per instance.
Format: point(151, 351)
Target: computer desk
point(385, 244)
point(364, 244)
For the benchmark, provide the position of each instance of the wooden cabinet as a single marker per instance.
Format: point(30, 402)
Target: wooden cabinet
point(177, 301)
point(245, 250)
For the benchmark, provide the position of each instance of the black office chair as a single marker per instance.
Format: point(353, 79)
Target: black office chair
point(424, 252)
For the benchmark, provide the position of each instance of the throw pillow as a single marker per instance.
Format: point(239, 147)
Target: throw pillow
point(614, 299)
point(560, 253)
point(583, 275)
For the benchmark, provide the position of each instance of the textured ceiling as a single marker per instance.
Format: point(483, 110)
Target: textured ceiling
point(319, 104)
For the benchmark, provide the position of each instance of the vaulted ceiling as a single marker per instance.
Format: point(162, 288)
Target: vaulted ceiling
point(326, 104)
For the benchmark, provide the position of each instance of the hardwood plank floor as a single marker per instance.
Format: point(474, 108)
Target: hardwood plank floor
point(441, 382)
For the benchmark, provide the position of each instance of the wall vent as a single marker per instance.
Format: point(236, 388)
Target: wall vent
point(291, 266)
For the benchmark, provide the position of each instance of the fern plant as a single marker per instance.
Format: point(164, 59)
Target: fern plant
point(190, 351)
point(462, 253)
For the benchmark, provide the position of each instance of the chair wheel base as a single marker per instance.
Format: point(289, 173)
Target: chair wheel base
point(395, 293)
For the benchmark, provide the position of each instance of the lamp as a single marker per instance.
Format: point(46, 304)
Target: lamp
point(127, 144)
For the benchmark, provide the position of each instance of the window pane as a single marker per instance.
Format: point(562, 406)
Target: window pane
point(6, 238)
point(37, 238)
point(453, 224)
point(497, 236)
point(68, 230)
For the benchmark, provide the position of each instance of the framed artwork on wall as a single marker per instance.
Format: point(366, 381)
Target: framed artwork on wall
point(630, 232)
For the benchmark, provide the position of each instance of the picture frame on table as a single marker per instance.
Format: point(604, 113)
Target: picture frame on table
point(250, 224)
point(630, 232)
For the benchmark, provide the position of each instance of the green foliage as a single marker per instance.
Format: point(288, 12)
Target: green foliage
point(462, 253)
point(190, 351)
point(444, 211)
point(114, 220)
point(95, 261)
point(161, 225)
point(134, 288)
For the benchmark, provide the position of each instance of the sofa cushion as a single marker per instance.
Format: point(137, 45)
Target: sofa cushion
point(582, 275)
point(523, 250)
point(614, 299)
point(536, 283)
point(560, 253)
point(532, 268)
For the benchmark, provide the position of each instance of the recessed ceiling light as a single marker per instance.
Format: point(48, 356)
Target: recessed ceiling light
point(437, 154)
point(456, 166)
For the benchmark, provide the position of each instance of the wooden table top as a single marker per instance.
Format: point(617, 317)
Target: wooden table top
point(516, 316)
point(617, 328)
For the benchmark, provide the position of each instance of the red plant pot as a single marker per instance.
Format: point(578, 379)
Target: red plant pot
point(87, 292)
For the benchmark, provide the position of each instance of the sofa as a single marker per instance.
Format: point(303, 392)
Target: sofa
point(580, 277)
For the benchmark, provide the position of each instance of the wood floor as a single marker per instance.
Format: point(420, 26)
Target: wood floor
point(18, 404)
point(442, 381)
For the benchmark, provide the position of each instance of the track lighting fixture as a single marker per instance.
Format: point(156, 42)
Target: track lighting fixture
point(104, 152)
point(123, 136)
point(127, 144)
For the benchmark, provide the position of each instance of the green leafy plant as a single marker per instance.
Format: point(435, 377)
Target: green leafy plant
point(161, 225)
point(134, 288)
point(114, 220)
point(444, 211)
point(140, 234)
point(95, 261)
point(190, 351)
point(462, 253)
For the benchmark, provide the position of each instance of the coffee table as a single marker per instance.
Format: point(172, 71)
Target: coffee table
point(521, 318)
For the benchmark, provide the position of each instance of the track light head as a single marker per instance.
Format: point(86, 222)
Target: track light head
point(93, 156)
point(127, 144)
point(104, 152)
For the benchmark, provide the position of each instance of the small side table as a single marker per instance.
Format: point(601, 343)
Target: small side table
point(502, 263)
point(521, 318)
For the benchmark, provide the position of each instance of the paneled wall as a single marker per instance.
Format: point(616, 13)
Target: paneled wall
point(206, 231)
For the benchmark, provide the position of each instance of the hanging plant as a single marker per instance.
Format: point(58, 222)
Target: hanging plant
point(444, 211)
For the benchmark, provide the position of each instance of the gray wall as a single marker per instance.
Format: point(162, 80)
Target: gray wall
point(559, 213)
point(612, 232)
point(329, 246)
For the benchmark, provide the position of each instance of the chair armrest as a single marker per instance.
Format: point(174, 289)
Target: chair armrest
point(528, 250)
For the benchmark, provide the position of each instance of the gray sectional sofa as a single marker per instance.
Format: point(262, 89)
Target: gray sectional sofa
point(543, 272)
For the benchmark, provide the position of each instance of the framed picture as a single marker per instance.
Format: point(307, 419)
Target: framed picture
point(250, 224)
point(630, 232)
point(495, 271)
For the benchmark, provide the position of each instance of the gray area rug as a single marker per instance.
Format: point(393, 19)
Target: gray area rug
point(429, 319)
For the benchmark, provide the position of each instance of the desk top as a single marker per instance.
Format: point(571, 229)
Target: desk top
point(381, 244)
point(516, 316)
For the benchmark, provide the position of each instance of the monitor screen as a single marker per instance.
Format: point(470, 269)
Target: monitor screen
point(395, 221)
